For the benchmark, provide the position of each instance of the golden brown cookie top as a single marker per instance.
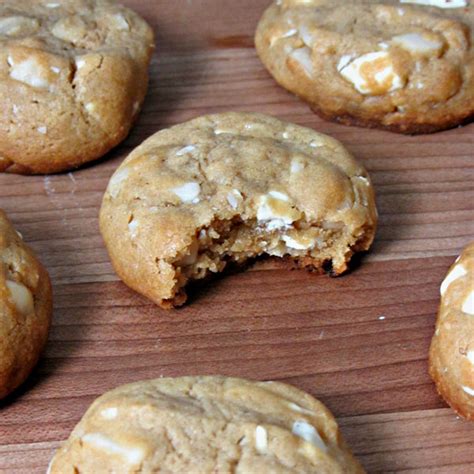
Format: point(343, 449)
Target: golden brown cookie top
point(234, 164)
point(73, 75)
point(69, 29)
point(390, 62)
point(179, 190)
point(25, 308)
point(206, 424)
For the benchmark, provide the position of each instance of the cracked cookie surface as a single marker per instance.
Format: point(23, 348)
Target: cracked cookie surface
point(229, 187)
point(406, 66)
point(25, 308)
point(206, 425)
point(73, 77)
point(452, 347)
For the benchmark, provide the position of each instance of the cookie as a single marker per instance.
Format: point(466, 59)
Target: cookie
point(73, 76)
point(405, 66)
point(25, 308)
point(206, 425)
point(229, 187)
point(452, 347)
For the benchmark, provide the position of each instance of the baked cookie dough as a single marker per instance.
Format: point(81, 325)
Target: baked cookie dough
point(206, 425)
point(25, 308)
point(73, 76)
point(230, 187)
point(452, 347)
point(405, 66)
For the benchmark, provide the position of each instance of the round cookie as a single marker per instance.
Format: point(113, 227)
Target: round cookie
point(402, 66)
point(206, 425)
point(25, 308)
point(73, 76)
point(230, 187)
point(452, 347)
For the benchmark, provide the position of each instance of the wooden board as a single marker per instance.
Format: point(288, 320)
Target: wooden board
point(359, 343)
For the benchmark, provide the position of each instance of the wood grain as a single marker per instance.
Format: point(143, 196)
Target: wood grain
point(359, 343)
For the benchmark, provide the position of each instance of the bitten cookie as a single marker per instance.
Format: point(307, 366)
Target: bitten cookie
point(230, 187)
point(452, 347)
point(25, 308)
point(405, 66)
point(206, 425)
point(73, 76)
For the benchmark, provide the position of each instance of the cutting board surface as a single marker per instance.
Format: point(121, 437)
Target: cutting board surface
point(359, 343)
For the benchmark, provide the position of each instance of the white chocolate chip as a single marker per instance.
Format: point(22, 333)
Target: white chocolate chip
point(278, 195)
point(109, 413)
point(470, 356)
point(303, 57)
point(303, 244)
point(468, 390)
point(43, 130)
point(133, 228)
point(116, 181)
point(71, 29)
point(297, 165)
point(188, 192)
point(468, 305)
point(457, 272)
point(276, 211)
point(52, 5)
point(344, 60)
point(261, 439)
point(416, 43)
point(306, 36)
point(371, 73)
point(90, 107)
point(29, 72)
point(439, 3)
point(234, 198)
point(185, 150)
point(309, 433)
point(287, 34)
point(121, 22)
point(21, 297)
point(132, 455)
point(300, 409)
point(55, 69)
point(80, 63)
point(15, 25)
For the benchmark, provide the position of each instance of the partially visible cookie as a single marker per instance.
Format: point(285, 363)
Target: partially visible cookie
point(25, 308)
point(405, 66)
point(206, 425)
point(73, 76)
point(230, 187)
point(452, 347)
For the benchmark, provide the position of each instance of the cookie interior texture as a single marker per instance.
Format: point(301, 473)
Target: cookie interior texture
point(452, 347)
point(204, 425)
point(397, 65)
point(25, 308)
point(73, 76)
point(230, 187)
